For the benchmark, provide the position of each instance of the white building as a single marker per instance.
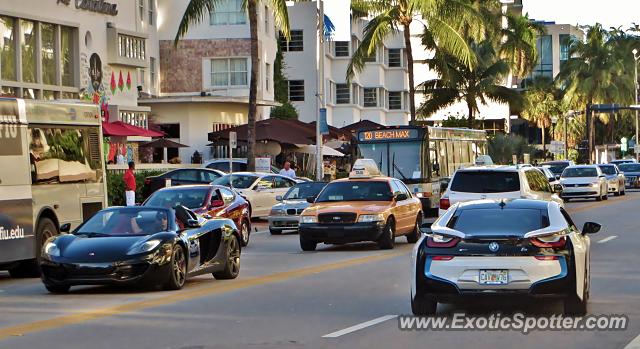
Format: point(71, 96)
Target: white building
point(379, 93)
point(204, 81)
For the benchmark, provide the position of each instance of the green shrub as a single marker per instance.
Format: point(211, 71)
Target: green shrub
point(115, 186)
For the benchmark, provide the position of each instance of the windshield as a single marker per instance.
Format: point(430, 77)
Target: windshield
point(556, 168)
point(191, 198)
point(356, 191)
point(629, 167)
point(240, 181)
point(491, 222)
point(399, 160)
point(126, 221)
point(580, 172)
point(485, 182)
point(610, 170)
point(303, 191)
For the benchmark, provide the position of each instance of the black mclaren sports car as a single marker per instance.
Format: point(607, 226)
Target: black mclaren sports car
point(141, 245)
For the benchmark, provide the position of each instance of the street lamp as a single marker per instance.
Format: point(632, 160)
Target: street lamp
point(635, 88)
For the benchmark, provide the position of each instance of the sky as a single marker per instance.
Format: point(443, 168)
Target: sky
point(610, 13)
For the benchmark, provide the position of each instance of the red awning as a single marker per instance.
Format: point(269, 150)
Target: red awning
point(122, 129)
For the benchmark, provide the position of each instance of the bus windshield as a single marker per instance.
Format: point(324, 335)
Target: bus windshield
point(399, 160)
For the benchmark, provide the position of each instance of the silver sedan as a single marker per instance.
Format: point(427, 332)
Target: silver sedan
point(584, 181)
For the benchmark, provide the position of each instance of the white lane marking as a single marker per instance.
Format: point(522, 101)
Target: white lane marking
point(360, 326)
point(607, 239)
point(634, 344)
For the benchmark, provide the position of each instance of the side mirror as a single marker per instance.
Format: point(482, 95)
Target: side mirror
point(401, 197)
point(217, 203)
point(557, 188)
point(425, 228)
point(311, 199)
point(193, 223)
point(65, 228)
point(558, 177)
point(279, 198)
point(590, 228)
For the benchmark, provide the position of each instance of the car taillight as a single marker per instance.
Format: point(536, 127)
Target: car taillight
point(546, 258)
point(546, 242)
point(441, 241)
point(441, 258)
point(444, 203)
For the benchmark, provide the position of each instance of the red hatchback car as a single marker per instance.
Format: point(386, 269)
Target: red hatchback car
point(207, 200)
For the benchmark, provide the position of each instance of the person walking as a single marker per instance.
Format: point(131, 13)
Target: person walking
point(130, 185)
point(287, 171)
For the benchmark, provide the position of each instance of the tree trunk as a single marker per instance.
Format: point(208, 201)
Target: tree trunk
point(470, 120)
point(412, 87)
point(253, 85)
point(544, 149)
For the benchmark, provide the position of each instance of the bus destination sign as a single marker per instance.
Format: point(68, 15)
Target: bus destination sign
point(388, 135)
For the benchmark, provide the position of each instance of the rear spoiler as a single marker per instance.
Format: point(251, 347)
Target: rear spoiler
point(439, 227)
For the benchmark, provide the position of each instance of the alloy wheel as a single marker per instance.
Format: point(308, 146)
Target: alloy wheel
point(233, 254)
point(179, 266)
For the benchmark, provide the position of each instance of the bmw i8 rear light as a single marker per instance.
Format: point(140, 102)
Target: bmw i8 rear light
point(546, 258)
point(444, 203)
point(442, 241)
point(441, 258)
point(546, 242)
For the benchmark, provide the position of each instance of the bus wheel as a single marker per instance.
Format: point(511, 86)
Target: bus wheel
point(46, 229)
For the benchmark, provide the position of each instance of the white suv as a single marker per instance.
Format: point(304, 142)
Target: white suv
point(498, 182)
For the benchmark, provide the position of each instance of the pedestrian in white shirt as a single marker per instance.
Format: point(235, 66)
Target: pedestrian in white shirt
point(288, 171)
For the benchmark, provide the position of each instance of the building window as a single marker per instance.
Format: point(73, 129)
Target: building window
point(131, 47)
point(228, 12)
point(7, 45)
point(395, 57)
point(295, 44)
point(545, 57)
point(152, 71)
point(296, 90)
point(28, 50)
point(66, 56)
point(371, 58)
point(343, 94)
point(395, 100)
point(267, 74)
point(370, 97)
point(47, 53)
point(170, 130)
point(341, 49)
point(355, 88)
point(565, 43)
point(229, 72)
point(141, 9)
point(152, 9)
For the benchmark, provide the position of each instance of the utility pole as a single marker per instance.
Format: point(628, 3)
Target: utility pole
point(635, 87)
point(321, 101)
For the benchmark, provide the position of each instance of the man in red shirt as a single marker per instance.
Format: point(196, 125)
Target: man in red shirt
point(130, 185)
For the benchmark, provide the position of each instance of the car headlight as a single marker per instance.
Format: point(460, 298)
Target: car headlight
point(309, 219)
point(145, 247)
point(368, 218)
point(595, 184)
point(276, 212)
point(51, 249)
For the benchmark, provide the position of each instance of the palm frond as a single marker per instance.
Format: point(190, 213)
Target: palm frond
point(194, 13)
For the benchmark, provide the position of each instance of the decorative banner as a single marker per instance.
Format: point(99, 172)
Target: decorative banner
point(113, 83)
point(120, 82)
point(339, 14)
point(324, 127)
point(128, 80)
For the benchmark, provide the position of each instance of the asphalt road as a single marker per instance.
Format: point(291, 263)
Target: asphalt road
point(285, 298)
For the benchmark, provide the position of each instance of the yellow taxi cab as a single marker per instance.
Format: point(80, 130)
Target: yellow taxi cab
point(364, 207)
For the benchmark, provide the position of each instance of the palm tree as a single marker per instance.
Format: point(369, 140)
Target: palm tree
point(457, 82)
point(518, 43)
point(198, 9)
point(541, 104)
point(444, 18)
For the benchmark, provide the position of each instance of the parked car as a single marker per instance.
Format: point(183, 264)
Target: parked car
point(553, 180)
point(239, 165)
point(182, 176)
point(584, 181)
point(631, 173)
point(622, 161)
point(504, 248)
point(260, 189)
point(498, 182)
point(141, 245)
point(615, 178)
point(558, 166)
point(210, 201)
point(285, 215)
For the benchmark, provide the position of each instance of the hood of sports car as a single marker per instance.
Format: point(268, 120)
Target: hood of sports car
point(82, 249)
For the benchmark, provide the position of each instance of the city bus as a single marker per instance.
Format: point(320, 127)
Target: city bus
point(51, 173)
point(424, 158)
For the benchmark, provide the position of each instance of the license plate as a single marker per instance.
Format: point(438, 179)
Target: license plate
point(494, 277)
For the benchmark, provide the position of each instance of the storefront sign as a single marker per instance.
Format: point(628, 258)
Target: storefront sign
point(385, 135)
point(263, 165)
point(99, 6)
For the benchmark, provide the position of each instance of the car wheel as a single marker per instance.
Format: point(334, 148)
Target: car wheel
point(624, 191)
point(245, 232)
point(307, 245)
point(565, 199)
point(27, 269)
point(606, 195)
point(178, 272)
point(414, 236)
point(58, 289)
point(422, 306)
point(232, 267)
point(599, 198)
point(388, 237)
point(573, 305)
point(275, 231)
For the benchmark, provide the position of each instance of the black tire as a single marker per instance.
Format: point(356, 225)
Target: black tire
point(307, 245)
point(422, 306)
point(245, 232)
point(388, 238)
point(606, 196)
point(232, 265)
point(178, 273)
point(623, 192)
point(275, 231)
point(599, 198)
point(565, 199)
point(414, 236)
point(57, 289)
point(31, 268)
point(573, 305)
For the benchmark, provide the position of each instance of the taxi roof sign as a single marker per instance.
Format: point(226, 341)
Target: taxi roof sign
point(364, 168)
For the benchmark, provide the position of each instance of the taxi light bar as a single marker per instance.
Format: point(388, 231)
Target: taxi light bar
point(441, 258)
point(546, 258)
